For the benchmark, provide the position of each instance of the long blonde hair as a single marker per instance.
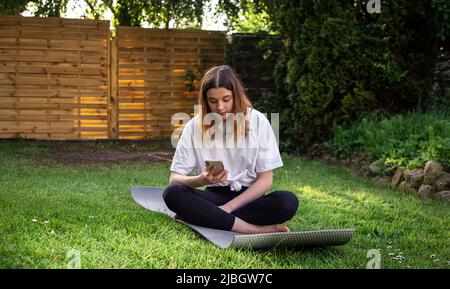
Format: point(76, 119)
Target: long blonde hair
point(223, 76)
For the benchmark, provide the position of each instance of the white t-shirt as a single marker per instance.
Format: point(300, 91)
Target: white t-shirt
point(258, 154)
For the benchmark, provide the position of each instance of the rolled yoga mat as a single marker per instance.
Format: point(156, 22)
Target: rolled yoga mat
point(151, 198)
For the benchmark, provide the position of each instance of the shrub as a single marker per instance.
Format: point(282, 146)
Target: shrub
point(408, 140)
point(339, 62)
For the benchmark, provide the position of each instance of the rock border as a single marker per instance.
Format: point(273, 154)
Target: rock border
point(430, 182)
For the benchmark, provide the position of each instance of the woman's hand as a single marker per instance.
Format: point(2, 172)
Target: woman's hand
point(210, 179)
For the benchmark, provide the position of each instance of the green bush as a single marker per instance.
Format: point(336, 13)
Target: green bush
point(442, 9)
point(339, 61)
point(408, 140)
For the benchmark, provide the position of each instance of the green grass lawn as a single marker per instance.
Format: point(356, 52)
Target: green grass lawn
point(48, 208)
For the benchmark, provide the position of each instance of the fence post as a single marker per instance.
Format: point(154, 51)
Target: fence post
point(113, 107)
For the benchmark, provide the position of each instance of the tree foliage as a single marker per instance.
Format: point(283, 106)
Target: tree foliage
point(442, 8)
point(340, 61)
point(12, 7)
point(248, 15)
point(157, 13)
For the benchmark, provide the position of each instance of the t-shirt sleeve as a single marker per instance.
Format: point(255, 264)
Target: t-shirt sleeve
point(269, 157)
point(184, 158)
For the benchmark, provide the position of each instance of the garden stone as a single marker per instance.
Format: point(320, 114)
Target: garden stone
point(382, 181)
point(407, 188)
point(333, 160)
point(443, 196)
point(425, 191)
point(443, 182)
point(376, 167)
point(360, 160)
point(397, 178)
point(414, 178)
point(402, 185)
point(432, 171)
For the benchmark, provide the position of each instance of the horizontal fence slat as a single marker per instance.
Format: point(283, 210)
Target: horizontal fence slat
point(22, 130)
point(51, 117)
point(53, 34)
point(51, 93)
point(51, 59)
point(79, 82)
point(48, 106)
point(51, 70)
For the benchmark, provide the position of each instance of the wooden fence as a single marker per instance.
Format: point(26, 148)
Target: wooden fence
point(253, 57)
point(69, 80)
point(66, 79)
point(53, 78)
point(157, 75)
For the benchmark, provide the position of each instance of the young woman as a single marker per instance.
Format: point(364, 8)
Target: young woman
point(235, 199)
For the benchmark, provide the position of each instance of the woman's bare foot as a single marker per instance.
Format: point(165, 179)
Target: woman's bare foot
point(274, 228)
point(282, 228)
point(241, 226)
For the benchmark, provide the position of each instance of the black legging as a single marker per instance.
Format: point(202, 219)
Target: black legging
point(200, 207)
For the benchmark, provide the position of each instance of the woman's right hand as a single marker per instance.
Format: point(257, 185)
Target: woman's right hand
point(208, 177)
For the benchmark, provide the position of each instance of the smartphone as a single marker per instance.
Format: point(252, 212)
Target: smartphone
point(215, 167)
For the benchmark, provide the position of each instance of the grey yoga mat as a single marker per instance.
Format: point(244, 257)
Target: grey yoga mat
point(151, 199)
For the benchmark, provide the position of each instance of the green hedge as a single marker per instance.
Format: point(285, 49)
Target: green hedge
point(339, 61)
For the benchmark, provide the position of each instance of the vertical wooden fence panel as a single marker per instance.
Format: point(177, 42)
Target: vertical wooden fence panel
point(53, 78)
point(113, 129)
point(254, 58)
point(158, 75)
